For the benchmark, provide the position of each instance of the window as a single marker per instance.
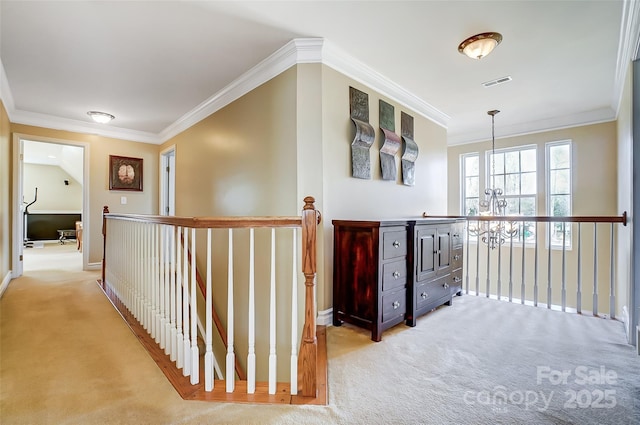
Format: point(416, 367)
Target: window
point(514, 171)
point(559, 189)
point(471, 183)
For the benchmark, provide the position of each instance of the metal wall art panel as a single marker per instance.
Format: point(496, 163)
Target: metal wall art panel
point(360, 158)
point(364, 134)
point(410, 150)
point(391, 144)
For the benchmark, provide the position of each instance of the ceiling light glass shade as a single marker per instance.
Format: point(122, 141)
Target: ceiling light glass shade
point(480, 45)
point(100, 117)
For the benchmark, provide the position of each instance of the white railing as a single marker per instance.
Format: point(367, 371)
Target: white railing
point(563, 263)
point(149, 266)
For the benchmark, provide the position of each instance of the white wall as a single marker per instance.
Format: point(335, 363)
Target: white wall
point(53, 194)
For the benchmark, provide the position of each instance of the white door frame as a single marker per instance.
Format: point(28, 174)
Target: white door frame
point(18, 206)
point(167, 181)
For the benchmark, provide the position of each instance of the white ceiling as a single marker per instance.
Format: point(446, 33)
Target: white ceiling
point(157, 64)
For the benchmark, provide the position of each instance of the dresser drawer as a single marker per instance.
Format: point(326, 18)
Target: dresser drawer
point(456, 235)
point(432, 291)
point(394, 305)
point(394, 274)
point(394, 243)
point(456, 258)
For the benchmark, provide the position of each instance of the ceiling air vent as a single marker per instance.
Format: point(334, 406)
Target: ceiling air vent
point(496, 81)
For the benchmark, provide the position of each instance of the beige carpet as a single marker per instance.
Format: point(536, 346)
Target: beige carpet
point(66, 357)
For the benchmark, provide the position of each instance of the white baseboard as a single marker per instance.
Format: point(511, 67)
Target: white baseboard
point(94, 266)
point(5, 283)
point(325, 317)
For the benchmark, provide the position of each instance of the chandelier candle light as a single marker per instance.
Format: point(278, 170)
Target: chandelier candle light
point(493, 233)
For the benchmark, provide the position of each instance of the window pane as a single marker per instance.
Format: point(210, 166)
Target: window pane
point(471, 206)
point(471, 187)
point(528, 160)
point(471, 165)
point(497, 182)
point(528, 181)
point(512, 162)
point(512, 184)
point(560, 181)
point(513, 206)
point(559, 156)
point(560, 205)
point(499, 163)
point(528, 206)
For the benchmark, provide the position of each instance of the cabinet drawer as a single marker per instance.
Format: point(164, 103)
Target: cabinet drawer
point(455, 281)
point(394, 305)
point(394, 244)
point(432, 291)
point(456, 235)
point(456, 259)
point(394, 274)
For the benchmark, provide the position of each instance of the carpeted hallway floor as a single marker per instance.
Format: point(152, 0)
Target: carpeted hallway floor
point(66, 357)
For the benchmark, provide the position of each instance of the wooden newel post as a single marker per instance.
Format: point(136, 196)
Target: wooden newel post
point(307, 359)
point(105, 210)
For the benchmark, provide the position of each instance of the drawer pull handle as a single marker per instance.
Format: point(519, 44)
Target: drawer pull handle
point(424, 295)
point(457, 279)
point(396, 244)
point(456, 257)
point(396, 274)
point(456, 235)
point(396, 304)
point(446, 285)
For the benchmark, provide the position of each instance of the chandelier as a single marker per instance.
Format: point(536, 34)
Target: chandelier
point(493, 232)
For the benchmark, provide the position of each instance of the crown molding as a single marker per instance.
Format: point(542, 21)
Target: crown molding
point(540, 126)
point(629, 43)
point(5, 92)
point(297, 51)
point(353, 68)
point(76, 126)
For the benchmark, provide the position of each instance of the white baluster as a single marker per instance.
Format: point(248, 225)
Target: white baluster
point(163, 274)
point(167, 290)
point(172, 295)
point(251, 357)
point(208, 356)
point(612, 282)
point(272, 318)
point(579, 291)
point(294, 317)
point(231, 357)
point(595, 269)
point(195, 362)
point(523, 262)
point(549, 268)
point(564, 274)
point(154, 282)
point(179, 337)
point(535, 267)
point(186, 370)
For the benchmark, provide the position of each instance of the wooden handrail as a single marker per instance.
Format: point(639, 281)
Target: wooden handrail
point(212, 222)
point(540, 218)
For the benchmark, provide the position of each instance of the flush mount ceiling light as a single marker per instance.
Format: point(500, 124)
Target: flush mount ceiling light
point(100, 117)
point(480, 45)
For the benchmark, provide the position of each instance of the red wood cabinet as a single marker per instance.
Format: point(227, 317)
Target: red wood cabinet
point(385, 272)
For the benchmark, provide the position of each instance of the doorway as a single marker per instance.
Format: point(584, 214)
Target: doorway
point(50, 187)
point(168, 181)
